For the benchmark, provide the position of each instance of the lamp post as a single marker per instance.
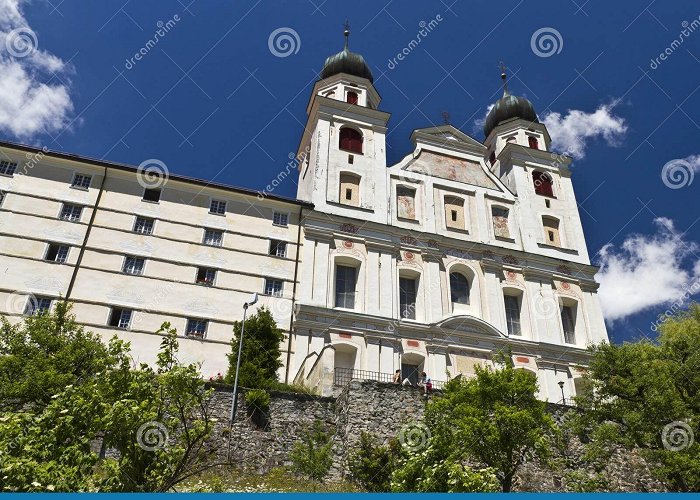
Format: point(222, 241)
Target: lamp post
point(234, 397)
point(561, 386)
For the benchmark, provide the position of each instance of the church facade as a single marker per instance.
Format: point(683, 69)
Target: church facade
point(461, 250)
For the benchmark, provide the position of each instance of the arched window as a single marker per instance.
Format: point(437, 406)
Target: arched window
point(349, 189)
point(532, 142)
point(543, 183)
point(350, 140)
point(352, 98)
point(459, 288)
point(551, 231)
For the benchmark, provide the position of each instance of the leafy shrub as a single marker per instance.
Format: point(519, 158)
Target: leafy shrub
point(311, 456)
point(371, 464)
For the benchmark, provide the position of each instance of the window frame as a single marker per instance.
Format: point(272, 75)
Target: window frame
point(205, 281)
point(147, 219)
point(8, 168)
point(218, 203)
point(135, 259)
point(80, 186)
point(354, 144)
point(275, 293)
point(190, 332)
point(404, 293)
point(122, 311)
point(73, 207)
point(213, 231)
point(152, 190)
point(36, 305)
point(347, 297)
point(510, 323)
point(281, 214)
point(277, 244)
point(452, 289)
point(549, 182)
point(569, 335)
point(58, 247)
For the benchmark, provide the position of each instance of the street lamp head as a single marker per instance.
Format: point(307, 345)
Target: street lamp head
point(561, 384)
point(253, 300)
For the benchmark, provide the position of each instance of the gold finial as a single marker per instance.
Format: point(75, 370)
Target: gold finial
point(504, 78)
point(346, 32)
point(446, 117)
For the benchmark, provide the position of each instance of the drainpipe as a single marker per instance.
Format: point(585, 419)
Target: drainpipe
point(87, 235)
point(294, 296)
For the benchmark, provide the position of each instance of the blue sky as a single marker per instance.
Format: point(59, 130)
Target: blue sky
point(211, 100)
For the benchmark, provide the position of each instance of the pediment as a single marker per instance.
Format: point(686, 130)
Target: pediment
point(451, 168)
point(469, 324)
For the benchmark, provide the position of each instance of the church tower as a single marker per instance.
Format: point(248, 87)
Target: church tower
point(518, 152)
point(342, 154)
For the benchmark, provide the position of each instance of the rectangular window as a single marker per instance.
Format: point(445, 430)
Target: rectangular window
point(213, 237)
point(71, 212)
point(512, 314)
point(57, 253)
point(206, 276)
point(7, 168)
point(143, 225)
point(568, 321)
point(133, 265)
point(152, 195)
point(345, 286)
point(278, 248)
point(273, 287)
point(120, 318)
point(37, 305)
point(217, 207)
point(454, 212)
point(81, 181)
point(280, 219)
point(407, 298)
point(196, 328)
point(406, 202)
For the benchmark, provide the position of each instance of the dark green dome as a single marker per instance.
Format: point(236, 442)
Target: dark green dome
point(508, 107)
point(346, 62)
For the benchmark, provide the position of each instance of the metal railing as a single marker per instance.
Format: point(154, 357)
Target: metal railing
point(344, 376)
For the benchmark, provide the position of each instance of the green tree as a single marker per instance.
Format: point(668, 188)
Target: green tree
point(372, 464)
point(260, 358)
point(311, 455)
point(647, 394)
point(44, 353)
point(494, 418)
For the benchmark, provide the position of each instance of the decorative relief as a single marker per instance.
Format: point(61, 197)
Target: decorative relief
point(564, 269)
point(565, 286)
point(409, 240)
point(488, 254)
point(349, 228)
point(511, 276)
point(433, 244)
point(509, 259)
point(348, 244)
point(408, 256)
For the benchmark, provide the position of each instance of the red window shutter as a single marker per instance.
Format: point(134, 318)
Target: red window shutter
point(532, 141)
point(352, 98)
point(350, 140)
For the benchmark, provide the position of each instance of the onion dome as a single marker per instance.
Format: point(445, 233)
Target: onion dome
point(346, 62)
point(509, 107)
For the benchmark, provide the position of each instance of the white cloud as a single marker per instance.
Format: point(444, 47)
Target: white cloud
point(572, 132)
point(647, 271)
point(29, 103)
point(479, 122)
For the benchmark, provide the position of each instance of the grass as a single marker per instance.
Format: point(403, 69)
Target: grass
point(236, 480)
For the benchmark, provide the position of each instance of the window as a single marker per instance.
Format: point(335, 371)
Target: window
point(352, 98)
point(345, 285)
point(217, 207)
point(454, 212)
point(2, 197)
point(7, 168)
point(57, 253)
point(349, 189)
point(407, 298)
point(152, 195)
point(532, 142)
point(120, 318)
point(71, 212)
point(350, 140)
point(568, 321)
point(213, 237)
point(280, 219)
point(551, 231)
point(512, 304)
point(81, 181)
point(405, 202)
point(206, 276)
point(543, 183)
point(37, 305)
point(133, 265)
point(196, 328)
point(499, 216)
point(143, 225)
point(273, 287)
point(459, 288)
point(278, 248)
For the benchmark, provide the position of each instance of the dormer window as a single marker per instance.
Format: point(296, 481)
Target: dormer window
point(532, 142)
point(350, 140)
point(352, 98)
point(543, 183)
